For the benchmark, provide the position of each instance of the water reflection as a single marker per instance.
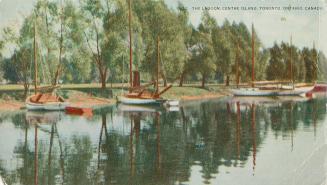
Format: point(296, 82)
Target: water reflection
point(137, 145)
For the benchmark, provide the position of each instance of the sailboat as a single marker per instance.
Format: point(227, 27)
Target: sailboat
point(43, 101)
point(138, 95)
point(271, 88)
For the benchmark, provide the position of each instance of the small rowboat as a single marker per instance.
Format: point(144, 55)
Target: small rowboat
point(79, 111)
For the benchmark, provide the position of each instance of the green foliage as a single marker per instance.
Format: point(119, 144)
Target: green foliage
point(304, 63)
point(88, 41)
point(309, 57)
point(322, 67)
point(157, 20)
point(276, 67)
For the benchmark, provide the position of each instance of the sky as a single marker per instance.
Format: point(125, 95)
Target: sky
point(305, 26)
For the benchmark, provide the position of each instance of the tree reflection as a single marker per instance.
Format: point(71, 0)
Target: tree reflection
point(159, 147)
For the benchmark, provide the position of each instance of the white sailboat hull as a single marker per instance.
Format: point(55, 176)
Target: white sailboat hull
point(48, 106)
point(296, 91)
point(282, 92)
point(136, 101)
point(253, 92)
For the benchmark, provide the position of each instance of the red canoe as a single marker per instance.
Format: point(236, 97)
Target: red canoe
point(79, 111)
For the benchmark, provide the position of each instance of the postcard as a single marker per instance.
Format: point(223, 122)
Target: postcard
point(163, 92)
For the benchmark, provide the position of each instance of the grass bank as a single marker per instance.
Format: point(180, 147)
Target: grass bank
point(91, 95)
point(195, 93)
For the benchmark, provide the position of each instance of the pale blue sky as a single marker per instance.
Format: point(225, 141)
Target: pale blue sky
point(305, 27)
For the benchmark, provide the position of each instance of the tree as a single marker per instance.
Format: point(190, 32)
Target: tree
point(309, 57)
point(49, 25)
point(276, 67)
point(233, 48)
point(223, 48)
point(1, 58)
point(105, 29)
point(187, 30)
point(77, 59)
point(173, 51)
point(17, 68)
point(203, 52)
point(322, 67)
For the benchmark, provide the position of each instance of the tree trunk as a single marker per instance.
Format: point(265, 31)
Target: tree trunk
point(203, 80)
point(154, 82)
point(164, 79)
point(165, 82)
point(56, 76)
point(26, 86)
point(103, 83)
point(181, 81)
point(227, 80)
point(103, 79)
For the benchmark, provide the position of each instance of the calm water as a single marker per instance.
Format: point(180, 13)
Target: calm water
point(230, 142)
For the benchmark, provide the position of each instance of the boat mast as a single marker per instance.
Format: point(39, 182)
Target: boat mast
point(130, 45)
point(237, 63)
point(252, 55)
point(291, 64)
point(35, 61)
point(315, 62)
point(158, 60)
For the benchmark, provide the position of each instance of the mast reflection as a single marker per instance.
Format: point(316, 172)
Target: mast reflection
point(158, 147)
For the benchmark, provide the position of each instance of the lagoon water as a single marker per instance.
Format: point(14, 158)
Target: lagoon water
point(230, 141)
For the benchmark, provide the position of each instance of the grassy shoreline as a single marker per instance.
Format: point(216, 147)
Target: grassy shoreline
point(87, 95)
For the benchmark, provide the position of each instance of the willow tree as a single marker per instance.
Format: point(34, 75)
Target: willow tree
point(322, 67)
point(224, 45)
point(157, 20)
point(105, 25)
point(50, 23)
point(1, 58)
point(187, 30)
point(275, 69)
point(203, 52)
point(18, 67)
point(76, 60)
point(233, 47)
point(309, 57)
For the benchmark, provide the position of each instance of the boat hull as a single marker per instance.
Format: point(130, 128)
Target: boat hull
point(282, 92)
point(48, 106)
point(253, 92)
point(296, 92)
point(136, 101)
point(53, 106)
